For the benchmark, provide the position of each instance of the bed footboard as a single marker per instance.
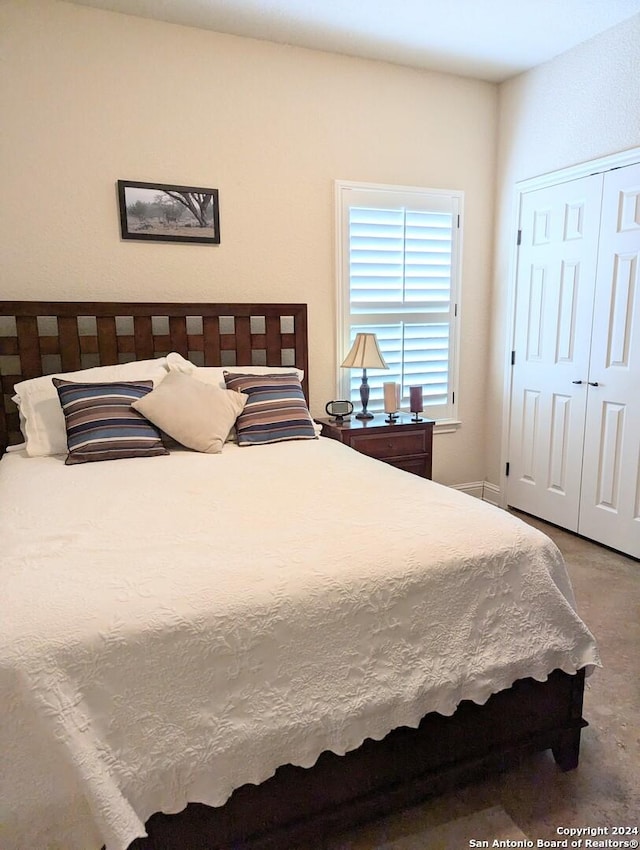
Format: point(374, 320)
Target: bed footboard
point(296, 806)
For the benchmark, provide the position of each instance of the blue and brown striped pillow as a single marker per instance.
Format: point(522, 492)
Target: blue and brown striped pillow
point(102, 425)
point(276, 409)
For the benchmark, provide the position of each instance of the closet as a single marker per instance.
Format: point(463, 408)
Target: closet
point(574, 434)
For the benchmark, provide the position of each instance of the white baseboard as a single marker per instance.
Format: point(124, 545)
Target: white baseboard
point(481, 490)
point(491, 493)
point(473, 489)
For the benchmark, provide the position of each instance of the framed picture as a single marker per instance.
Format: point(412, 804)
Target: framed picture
point(161, 212)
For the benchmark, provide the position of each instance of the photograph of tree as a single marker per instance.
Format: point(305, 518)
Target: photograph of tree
point(165, 213)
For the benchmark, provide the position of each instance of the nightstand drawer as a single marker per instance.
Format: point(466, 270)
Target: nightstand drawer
point(419, 464)
point(395, 444)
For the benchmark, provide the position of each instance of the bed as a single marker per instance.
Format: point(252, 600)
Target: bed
point(230, 648)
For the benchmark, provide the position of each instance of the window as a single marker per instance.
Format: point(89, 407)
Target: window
point(398, 277)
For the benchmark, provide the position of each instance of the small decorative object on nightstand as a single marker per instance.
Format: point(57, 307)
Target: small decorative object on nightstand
point(405, 444)
point(339, 410)
point(391, 392)
point(416, 404)
point(364, 354)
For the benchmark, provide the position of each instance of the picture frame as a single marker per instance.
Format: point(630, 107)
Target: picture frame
point(165, 212)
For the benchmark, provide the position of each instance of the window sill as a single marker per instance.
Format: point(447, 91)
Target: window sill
point(446, 426)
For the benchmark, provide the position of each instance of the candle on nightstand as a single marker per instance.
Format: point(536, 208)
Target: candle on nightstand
point(390, 397)
point(416, 404)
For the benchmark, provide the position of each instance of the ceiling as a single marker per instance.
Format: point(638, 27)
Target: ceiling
point(488, 39)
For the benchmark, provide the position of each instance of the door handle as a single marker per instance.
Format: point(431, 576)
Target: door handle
point(593, 384)
point(576, 382)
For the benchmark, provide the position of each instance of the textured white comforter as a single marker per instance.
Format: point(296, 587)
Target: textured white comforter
point(174, 627)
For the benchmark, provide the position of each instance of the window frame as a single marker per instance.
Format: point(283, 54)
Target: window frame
point(396, 195)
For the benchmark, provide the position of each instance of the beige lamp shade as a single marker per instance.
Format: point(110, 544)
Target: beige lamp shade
point(364, 353)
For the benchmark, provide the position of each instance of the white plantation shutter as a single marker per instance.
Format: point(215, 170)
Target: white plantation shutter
point(398, 268)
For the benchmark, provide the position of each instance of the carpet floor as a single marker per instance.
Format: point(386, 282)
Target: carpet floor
point(535, 799)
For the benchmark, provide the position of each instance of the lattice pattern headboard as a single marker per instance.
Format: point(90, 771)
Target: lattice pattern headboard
point(43, 337)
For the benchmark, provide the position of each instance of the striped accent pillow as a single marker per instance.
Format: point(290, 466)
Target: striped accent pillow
point(276, 409)
point(102, 425)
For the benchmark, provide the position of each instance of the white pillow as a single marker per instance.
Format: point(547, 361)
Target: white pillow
point(18, 447)
point(177, 363)
point(196, 414)
point(215, 374)
point(41, 418)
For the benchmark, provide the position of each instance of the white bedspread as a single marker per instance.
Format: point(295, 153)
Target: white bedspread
point(172, 628)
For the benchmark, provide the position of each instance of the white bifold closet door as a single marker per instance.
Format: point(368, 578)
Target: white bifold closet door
point(574, 448)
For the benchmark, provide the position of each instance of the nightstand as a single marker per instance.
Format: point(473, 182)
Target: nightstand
point(403, 443)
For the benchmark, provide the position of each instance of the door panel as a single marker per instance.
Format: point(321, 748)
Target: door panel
point(560, 423)
point(554, 309)
point(610, 494)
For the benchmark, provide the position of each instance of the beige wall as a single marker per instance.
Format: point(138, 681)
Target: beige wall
point(582, 105)
point(88, 97)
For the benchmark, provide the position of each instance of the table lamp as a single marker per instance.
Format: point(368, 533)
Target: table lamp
point(364, 354)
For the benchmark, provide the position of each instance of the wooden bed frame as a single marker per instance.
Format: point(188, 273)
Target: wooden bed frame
point(296, 806)
point(43, 337)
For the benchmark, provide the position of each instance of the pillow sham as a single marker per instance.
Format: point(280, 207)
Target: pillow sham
point(102, 425)
point(41, 418)
point(276, 409)
point(197, 415)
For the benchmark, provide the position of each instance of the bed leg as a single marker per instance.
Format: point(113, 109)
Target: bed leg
point(567, 751)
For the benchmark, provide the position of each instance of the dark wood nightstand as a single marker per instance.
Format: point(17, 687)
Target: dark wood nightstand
point(404, 443)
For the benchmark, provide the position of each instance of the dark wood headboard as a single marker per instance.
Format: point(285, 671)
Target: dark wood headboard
point(44, 337)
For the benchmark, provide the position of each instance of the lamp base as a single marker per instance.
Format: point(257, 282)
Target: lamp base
point(364, 398)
